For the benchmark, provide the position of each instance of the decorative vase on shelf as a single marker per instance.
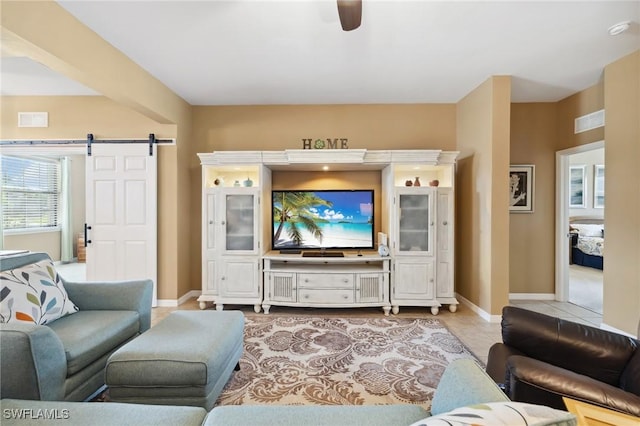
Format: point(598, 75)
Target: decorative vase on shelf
point(248, 182)
point(417, 182)
point(236, 183)
point(434, 182)
point(408, 183)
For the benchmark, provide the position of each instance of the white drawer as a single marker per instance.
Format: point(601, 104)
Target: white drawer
point(325, 297)
point(325, 280)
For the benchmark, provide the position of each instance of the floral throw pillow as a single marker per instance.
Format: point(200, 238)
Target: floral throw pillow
point(501, 414)
point(33, 294)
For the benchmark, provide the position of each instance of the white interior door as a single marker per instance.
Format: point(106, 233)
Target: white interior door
point(121, 215)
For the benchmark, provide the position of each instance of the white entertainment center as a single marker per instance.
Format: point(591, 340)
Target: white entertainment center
point(239, 266)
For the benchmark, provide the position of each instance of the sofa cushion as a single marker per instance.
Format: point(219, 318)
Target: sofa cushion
point(303, 415)
point(89, 335)
point(95, 414)
point(34, 294)
point(501, 413)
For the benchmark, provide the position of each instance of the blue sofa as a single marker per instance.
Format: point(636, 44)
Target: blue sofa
point(463, 383)
point(65, 359)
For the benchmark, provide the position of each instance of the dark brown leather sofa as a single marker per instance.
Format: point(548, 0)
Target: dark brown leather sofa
point(543, 358)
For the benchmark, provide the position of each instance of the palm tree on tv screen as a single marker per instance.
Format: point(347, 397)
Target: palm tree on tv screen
point(295, 208)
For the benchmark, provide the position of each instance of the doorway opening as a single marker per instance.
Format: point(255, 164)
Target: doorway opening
point(580, 225)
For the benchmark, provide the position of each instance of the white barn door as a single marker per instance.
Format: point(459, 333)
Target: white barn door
point(121, 213)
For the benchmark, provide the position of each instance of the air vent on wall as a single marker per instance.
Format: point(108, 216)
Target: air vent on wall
point(33, 119)
point(589, 121)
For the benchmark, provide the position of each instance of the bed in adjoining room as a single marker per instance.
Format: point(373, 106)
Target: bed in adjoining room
point(587, 241)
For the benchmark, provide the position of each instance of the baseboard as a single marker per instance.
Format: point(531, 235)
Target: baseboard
point(173, 303)
point(532, 296)
point(475, 308)
point(60, 262)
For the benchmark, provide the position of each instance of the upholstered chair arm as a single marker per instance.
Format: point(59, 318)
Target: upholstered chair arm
point(134, 295)
point(33, 363)
point(463, 383)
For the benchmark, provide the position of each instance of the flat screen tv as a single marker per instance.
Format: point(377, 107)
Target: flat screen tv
point(322, 219)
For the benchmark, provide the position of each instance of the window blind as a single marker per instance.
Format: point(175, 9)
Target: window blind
point(30, 192)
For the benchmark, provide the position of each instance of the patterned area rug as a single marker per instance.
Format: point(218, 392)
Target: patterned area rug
point(341, 361)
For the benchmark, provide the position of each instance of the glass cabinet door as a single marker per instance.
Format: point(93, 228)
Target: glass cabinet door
point(414, 223)
point(240, 222)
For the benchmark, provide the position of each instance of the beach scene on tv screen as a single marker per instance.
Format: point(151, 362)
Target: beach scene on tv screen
point(322, 219)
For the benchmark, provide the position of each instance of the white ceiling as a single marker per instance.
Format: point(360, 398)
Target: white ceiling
point(295, 52)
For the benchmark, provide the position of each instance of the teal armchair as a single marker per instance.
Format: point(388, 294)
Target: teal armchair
point(65, 359)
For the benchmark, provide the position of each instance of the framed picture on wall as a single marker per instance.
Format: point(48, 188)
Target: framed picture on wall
point(521, 187)
point(577, 187)
point(598, 186)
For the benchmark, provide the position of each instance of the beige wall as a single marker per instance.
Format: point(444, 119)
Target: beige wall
point(622, 186)
point(574, 106)
point(72, 117)
point(482, 223)
point(47, 242)
point(531, 235)
point(276, 127)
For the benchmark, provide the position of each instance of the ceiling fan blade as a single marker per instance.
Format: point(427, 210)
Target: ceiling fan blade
point(350, 12)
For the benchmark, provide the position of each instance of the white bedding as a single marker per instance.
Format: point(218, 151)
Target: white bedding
point(591, 245)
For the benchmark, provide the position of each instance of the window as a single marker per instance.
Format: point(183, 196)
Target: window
point(30, 192)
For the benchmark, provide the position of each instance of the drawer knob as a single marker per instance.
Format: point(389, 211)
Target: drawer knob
point(306, 296)
point(344, 296)
point(445, 223)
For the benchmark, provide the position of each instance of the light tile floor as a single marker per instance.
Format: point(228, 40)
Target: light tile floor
point(585, 287)
point(476, 333)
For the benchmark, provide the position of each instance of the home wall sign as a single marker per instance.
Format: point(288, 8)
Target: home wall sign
point(329, 143)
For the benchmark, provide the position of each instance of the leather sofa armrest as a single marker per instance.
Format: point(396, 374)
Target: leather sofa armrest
point(134, 295)
point(33, 363)
point(600, 354)
point(537, 382)
point(497, 361)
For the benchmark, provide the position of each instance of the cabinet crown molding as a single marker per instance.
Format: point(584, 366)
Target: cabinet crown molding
point(358, 158)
